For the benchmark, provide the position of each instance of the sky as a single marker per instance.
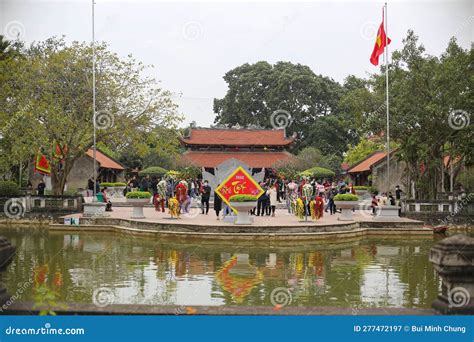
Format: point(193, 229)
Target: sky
point(193, 44)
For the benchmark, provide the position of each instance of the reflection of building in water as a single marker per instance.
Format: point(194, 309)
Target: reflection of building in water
point(238, 277)
point(73, 241)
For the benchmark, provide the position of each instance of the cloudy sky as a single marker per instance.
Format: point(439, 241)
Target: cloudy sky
point(193, 44)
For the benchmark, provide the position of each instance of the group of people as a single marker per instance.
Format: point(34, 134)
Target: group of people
point(317, 196)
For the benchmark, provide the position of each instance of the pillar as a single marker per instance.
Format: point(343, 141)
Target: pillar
point(453, 259)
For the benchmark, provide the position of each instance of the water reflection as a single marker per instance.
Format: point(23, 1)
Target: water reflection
point(370, 273)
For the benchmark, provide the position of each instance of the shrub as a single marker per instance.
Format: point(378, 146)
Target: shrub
point(107, 184)
point(120, 184)
point(361, 187)
point(373, 190)
point(318, 172)
point(153, 171)
point(243, 198)
point(9, 189)
point(138, 194)
point(346, 197)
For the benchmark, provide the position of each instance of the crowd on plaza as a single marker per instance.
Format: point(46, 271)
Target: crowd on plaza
point(316, 196)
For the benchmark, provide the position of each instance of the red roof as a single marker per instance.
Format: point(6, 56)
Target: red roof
point(252, 159)
point(104, 161)
point(237, 137)
point(367, 163)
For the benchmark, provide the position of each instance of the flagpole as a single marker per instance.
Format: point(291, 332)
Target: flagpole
point(93, 101)
point(386, 92)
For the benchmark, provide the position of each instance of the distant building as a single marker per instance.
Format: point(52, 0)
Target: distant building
point(373, 171)
point(258, 148)
point(109, 170)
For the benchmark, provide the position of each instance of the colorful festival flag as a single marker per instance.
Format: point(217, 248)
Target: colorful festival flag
point(42, 165)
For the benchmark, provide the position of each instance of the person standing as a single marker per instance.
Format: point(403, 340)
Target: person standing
point(97, 186)
point(319, 206)
point(217, 204)
point(374, 204)
point(145, 184)
point(205, 196)
point(161, 188)
point(90, 187)
point(332, 205)
point(273, 196)
point(262, 203)
point(40, 188)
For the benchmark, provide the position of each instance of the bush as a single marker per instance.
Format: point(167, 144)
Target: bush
point(153, 171)
point(243, 198)
point(9, 189)
point(318, 172)
point(120, 184)
point(361, 187)
point(373, 190)
point(138, 194)
point(106, 184)
point(346, 197)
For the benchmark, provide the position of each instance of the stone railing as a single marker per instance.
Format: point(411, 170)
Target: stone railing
point(40, 204)
point(446, 211)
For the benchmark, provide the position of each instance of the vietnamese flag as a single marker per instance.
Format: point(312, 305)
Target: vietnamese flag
point(380, 42)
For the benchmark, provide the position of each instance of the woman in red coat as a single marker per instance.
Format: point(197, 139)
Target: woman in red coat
point(319, 206)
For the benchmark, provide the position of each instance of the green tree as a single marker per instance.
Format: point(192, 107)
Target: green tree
point(51, 91)
point(256, 91)
point(362, 150)
point(427, 93)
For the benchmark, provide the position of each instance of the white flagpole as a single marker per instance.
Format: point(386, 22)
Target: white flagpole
point(93, 101)
point(386, 91)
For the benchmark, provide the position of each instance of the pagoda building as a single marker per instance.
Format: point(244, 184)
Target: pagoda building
point(258, 148)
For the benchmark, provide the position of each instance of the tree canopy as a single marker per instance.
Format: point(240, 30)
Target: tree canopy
point(289, 96)
point(46, 102)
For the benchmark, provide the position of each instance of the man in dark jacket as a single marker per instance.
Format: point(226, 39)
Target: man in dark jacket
point(205, 196)
point(217, 204)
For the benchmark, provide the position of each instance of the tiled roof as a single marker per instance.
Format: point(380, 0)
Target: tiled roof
point(104, 161)
point(237, 137)
point(252, 159)
point(367, 163)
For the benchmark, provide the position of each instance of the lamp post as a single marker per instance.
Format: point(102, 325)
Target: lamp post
point(93, 103)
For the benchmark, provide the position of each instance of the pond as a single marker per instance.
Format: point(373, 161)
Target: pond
point(134, 270)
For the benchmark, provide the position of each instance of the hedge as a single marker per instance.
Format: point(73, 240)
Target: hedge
point(318, 172)
point(9, 189)
point(346, 197)
point(138, 194)
point(153, 171)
